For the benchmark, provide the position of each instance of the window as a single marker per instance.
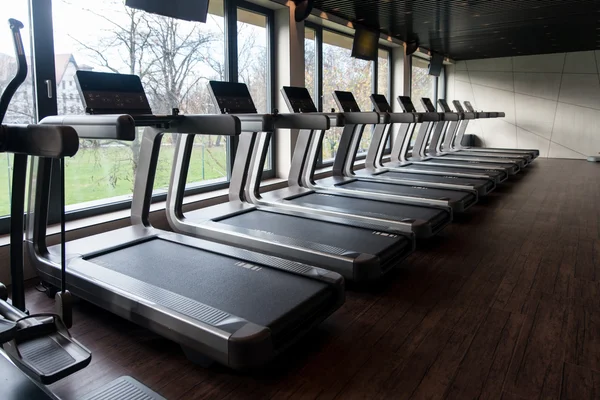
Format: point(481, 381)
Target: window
point(342, 72)
point(423, 84)
point(310, 63)
point(384, 85)
point(174, 58)
point(383, 73)
point(254, 64)
point(328, 67)
point(22, 108)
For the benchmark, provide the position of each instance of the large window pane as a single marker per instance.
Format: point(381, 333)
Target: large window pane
point(383, 84)
point(383, 73)
point(423, 84)
point(253, 61)
point(174, 58)
point(310, 63)
point(342, 72)
point(22, 106)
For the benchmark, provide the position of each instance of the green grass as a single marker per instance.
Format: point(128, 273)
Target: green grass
point(95, 174)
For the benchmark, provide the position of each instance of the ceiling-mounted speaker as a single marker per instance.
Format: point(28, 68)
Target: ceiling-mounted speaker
point(411, 47)
point(303, 9)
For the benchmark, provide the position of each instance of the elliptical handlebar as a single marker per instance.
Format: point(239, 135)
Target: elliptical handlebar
point(21, 75)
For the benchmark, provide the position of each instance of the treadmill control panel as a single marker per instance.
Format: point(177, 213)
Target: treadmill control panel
point(346, 101)
point(380, 103)
point(232, 97)
point(406, 104)
point(109, 93)
point(469, 106)
point(298, 99)
point(427, 104)
point(444, 104)
point(459, 108)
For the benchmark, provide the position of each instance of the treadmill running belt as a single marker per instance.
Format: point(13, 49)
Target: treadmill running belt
point(395, 211)
point(437, 179)
point(432, 167)
point(259, 294)
point(341, 236)
point(498, 164)
point(405, 190)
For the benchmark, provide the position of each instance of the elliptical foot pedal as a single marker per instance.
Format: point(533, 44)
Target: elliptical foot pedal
point(45, 350)
point(124, 388)
point(7, 330)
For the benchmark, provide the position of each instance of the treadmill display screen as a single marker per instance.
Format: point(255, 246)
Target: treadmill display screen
point(298, 99)
point(232, 97)
point(427, 104)
point(380, 103)
point(458, 107)
point(444, 104)
point(109, 93)
point(346, 101)
point(469, 106)
point(406, 104)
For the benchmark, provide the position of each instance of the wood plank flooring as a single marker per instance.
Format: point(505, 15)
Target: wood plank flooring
point(504, 304)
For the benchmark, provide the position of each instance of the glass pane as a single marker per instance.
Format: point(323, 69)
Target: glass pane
point(383, 74)
point(253, 61)
point(342, 72)
point(383, 83)
point(22, 107)
point(422, 83)
point(175, 59)
point(310, 63)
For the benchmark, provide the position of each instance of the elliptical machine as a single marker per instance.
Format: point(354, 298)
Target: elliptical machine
point(40, 348)
point(40, 344)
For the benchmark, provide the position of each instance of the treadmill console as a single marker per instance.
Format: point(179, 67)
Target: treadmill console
point(469, 106)
point(108, 93)
point(380, 103)
point(406, 104)
point(232, 97)
point(346, 101)
point(444, 104)
point(298, 99)
point(427, 104)
point(459, 108)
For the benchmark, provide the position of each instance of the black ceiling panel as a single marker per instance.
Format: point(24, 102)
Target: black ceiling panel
point(469, 29)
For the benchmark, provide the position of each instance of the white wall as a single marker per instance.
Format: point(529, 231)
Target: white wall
point(551, 101)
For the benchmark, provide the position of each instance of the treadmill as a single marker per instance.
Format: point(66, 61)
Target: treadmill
point(398, 161)
point(409, 217)
point(220, 303)
point(347, 247)
point(298, 98)
point(417, 153)
point(451, 129)
point(459, 199)
point(454, 142)
point(375, 169)
point(437, 130)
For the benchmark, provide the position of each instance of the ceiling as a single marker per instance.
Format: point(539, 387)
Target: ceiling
point(470, 29)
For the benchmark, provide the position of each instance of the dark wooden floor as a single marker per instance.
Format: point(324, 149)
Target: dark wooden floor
point(505, 304)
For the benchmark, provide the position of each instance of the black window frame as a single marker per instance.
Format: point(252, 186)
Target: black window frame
point(318, 90)
point(43, 66)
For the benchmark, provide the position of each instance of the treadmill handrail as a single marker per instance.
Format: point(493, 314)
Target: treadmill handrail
point(202, 124)
point(401, 118)
point(119, 127)
point(361, 118)
point(449, 116)
point(255, 122)
point(39, 141)
point(336, 119)
point(301, 121)
point(427, 116)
